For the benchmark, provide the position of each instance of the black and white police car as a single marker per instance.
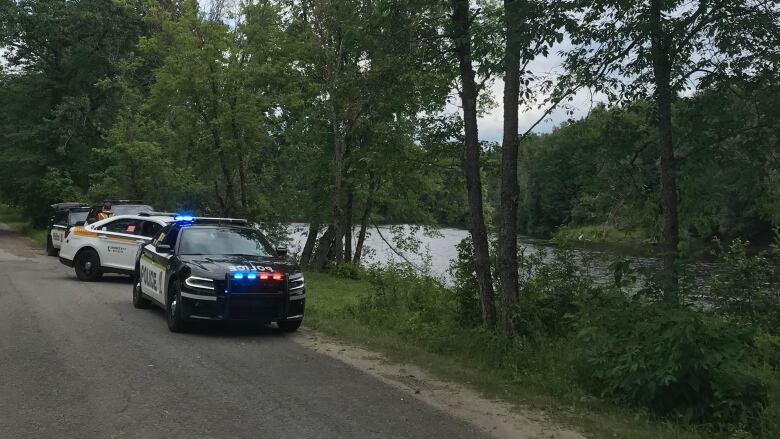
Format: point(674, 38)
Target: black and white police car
point(64, 216)
point(218, 269)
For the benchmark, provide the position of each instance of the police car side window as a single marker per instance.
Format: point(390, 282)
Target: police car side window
point(61, 218)
point(161, 236)
point(170, 238)
point(127, 226)
point(150, 228)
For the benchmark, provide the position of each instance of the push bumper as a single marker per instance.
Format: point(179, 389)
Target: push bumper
point(261, 308)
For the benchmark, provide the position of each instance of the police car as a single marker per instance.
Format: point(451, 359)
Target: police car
point(218, 269)
point(110, 245)
point(65, 216)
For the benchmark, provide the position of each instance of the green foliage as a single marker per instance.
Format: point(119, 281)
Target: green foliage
point(347, 271)
point(745, 287)
point(673, 361)
point(465, 289)
point(552, 288)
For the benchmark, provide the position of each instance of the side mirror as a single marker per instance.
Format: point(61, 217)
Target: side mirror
point(79, 223)
point(163, 248)
point(281, 251)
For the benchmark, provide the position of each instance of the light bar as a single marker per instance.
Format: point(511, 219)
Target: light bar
point(261, 276)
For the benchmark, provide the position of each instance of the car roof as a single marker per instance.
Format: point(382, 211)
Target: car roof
point(158, 219)
point(68, 205)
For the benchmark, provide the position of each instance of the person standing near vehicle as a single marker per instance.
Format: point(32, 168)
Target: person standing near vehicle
point(106, 212)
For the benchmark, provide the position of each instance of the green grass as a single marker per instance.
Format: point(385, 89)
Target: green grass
point(14, 219)
point(543, 380)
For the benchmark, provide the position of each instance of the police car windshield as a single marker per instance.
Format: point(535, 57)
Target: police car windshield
point(130, 209)
point(223, 241)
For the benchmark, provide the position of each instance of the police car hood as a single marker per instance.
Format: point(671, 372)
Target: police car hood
point(217, 266)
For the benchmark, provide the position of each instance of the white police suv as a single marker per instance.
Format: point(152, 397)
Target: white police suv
point(110, 245)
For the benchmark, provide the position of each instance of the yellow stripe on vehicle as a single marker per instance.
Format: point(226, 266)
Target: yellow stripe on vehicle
point(80, 231)
point(145, 259)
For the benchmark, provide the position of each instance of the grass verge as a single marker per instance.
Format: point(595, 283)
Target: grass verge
point(543, 382)
point(14, 219)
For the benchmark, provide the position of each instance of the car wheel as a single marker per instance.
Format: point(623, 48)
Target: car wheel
point(50, 250)
point(289, 325)
point(173, 310)
point(139, 301)
point(87, 265)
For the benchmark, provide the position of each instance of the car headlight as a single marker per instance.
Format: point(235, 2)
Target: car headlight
point(199, 283)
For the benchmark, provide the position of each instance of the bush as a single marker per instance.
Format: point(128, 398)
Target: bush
point(551, 287)
point(466, 288)
point(408, 302)
point(346, 270)
point(745, 286)
point(672, 361)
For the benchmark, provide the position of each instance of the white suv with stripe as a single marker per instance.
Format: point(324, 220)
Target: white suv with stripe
point(110, 245)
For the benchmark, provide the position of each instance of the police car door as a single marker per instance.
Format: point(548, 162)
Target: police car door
point(118, 242)
point(153, 265)
point(58, 228)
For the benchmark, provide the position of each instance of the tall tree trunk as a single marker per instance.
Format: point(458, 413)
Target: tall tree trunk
point(348, 227)
point(323, 248)
point(462, 39)
point(507, 223)
point(308, 248)
point(363, 226)
point(663, 99)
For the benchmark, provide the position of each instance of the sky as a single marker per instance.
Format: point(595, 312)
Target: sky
point(491, 124)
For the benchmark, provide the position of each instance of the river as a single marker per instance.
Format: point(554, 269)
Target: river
point(438, 249)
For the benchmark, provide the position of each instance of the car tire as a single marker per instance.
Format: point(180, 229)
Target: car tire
point(139, 301)
point(87, 265)
point(289, 325)
point(50, 250)
point(173, 309)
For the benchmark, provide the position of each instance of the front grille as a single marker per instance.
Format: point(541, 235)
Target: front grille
point(255, 308)
point(255, 286)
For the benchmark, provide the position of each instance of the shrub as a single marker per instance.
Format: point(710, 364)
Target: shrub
point(673, 361)
point(551, 286)
point(408, 302)
point(346, 270)
point(745, 286)
point(465, 290)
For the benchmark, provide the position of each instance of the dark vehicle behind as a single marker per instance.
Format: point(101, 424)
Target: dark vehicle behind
point(64, 217)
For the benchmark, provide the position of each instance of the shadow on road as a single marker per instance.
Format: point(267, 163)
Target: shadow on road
point(221, 329)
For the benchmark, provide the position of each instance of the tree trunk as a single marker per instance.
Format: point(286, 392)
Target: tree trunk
point(323, 249)
point(348, 228)
point(507, 222)
point(308, 248)
point(363, 226)
point(663, 99)
point(462, 39)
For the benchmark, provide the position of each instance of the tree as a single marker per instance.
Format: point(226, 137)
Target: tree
point(462, 36)
point(660, 48)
